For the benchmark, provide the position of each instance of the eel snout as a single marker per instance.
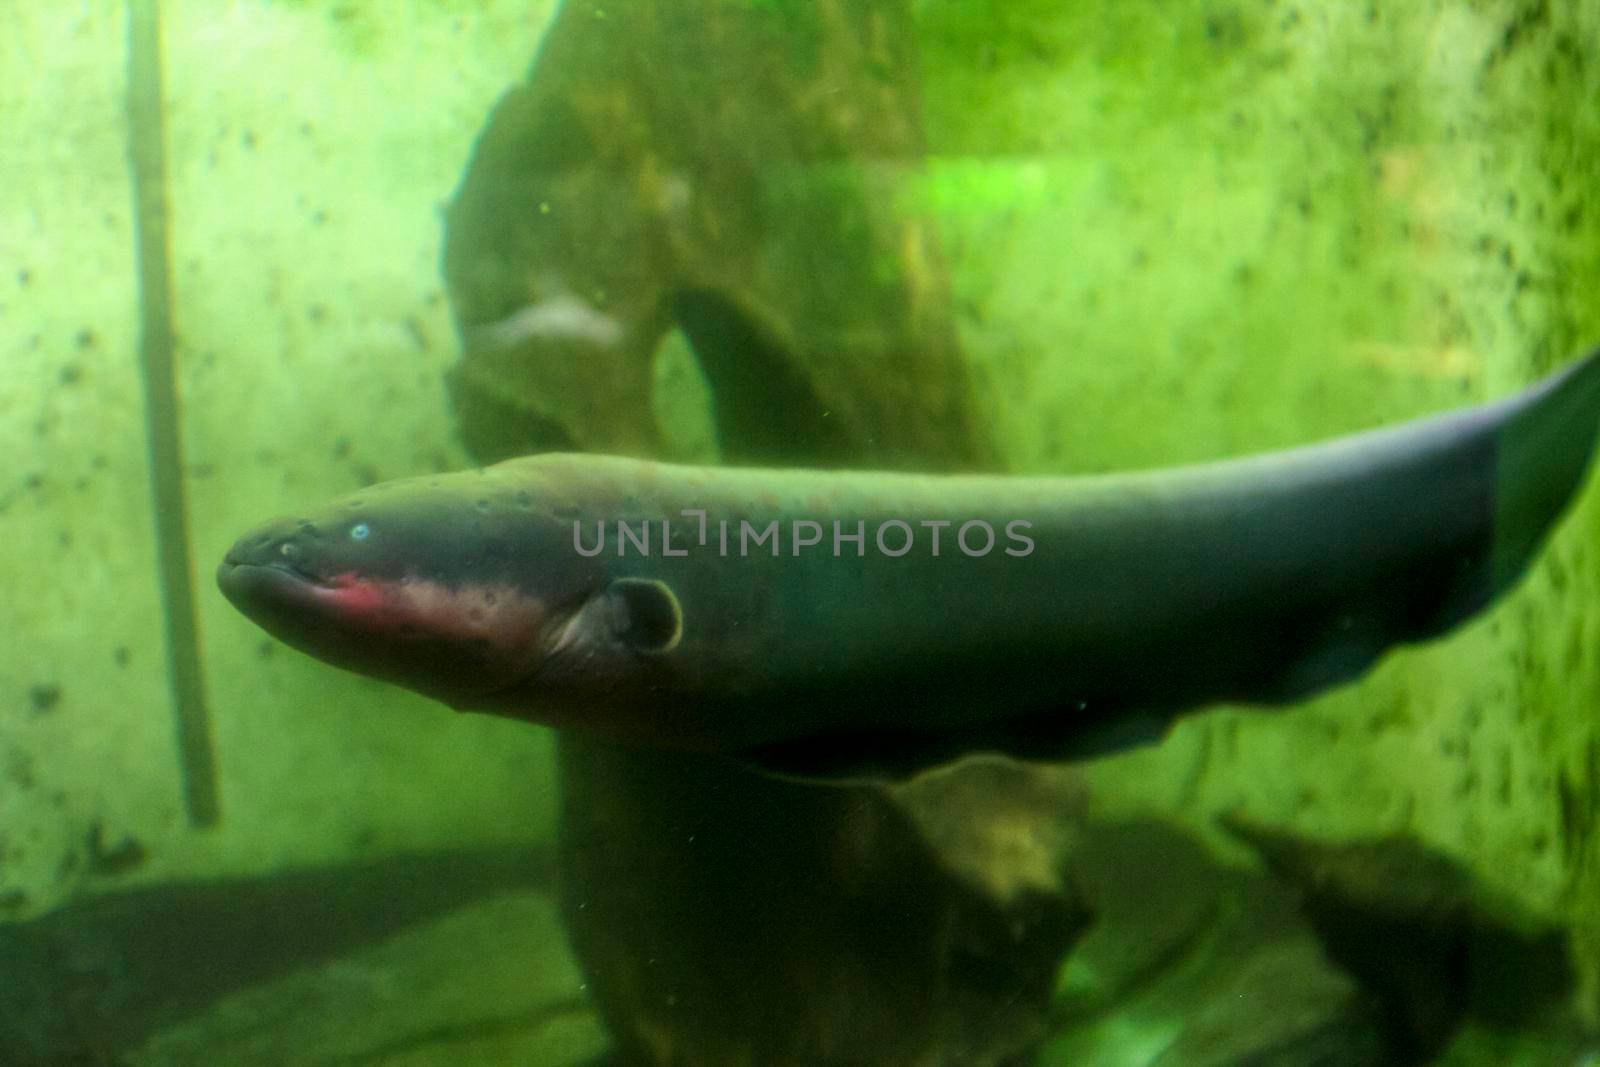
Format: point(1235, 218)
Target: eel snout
point(454, 640)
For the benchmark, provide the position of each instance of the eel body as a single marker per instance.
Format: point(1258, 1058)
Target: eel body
point(837, 624)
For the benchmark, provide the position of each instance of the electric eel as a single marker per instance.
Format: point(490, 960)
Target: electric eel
point(835, 624)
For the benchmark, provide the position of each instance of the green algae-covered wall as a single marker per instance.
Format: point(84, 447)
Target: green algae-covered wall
point(1182, 231)
point(308, 160)
point(311, 147)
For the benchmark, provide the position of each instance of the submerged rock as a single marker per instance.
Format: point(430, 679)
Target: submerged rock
point(1432, 946)
point(725, 917)
point(92, 981)
point(735, 171)
point(732, 169)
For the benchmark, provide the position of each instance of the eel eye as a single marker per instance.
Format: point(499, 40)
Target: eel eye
point(359, 531)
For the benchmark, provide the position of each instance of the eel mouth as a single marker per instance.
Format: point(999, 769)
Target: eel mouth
point(333, 623)
point(455, 644)
point(267, 566)
point(274, 595)
point(265, 575)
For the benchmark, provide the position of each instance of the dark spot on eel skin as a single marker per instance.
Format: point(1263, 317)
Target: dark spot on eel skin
point(44, 696)
point(85, 338)
point(71, 374)
point(13, 902)
point(120, 655)
point(265, 649)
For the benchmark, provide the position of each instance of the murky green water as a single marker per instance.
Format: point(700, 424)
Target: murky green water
point(899, 235)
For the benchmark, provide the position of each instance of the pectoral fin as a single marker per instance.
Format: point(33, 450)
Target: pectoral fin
point(644, 614)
